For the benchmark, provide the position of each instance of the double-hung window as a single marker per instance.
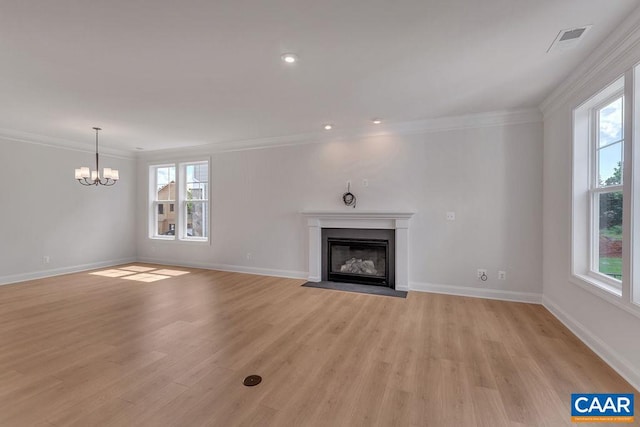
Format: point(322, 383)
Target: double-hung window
point(163, 194)
point(179, 201)
point(605, 226)
point(598, 187)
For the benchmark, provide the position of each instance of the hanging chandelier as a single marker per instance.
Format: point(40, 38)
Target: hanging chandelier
point(85, 176)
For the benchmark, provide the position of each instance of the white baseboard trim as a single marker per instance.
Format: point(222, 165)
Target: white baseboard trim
point(621, 365)
point(464, 291)
point(288, 274)
point(17, 278)
point(402, 288)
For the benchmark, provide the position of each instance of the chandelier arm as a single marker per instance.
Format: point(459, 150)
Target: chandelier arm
point(107, 182)
point(97, 167)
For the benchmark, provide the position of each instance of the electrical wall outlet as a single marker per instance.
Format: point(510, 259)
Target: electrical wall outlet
point(451, 216)
point(365, 182)
point(249, 256)
point(46, 259)
point(482, 274)
point(502, 275)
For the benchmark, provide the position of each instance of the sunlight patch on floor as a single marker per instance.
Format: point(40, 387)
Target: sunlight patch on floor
point(139, 273)
point(111, 273)
point(167, 272)
point(146, 277)
point(137, 268)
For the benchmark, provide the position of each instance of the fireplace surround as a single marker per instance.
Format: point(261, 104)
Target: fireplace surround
point(396, 221)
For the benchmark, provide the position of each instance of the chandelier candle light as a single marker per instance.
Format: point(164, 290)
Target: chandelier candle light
point(87, 177)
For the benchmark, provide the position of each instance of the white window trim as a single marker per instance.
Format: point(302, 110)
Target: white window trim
point(182, 203)
point(581, 224)
point(631, 293)
point(152, 213)
point(584, 191)
point(180, 208)
point(608, 283)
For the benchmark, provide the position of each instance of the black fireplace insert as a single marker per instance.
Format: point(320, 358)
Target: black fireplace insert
point(362, 256)
point(363, 261)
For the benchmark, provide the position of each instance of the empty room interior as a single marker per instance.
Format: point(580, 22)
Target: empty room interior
point(335, 213)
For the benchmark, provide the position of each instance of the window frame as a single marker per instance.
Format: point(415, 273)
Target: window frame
point(631, 292)
point(183, 214)
point(180, 234)
point(154, 202)
point(626, 298)
point(596, 190)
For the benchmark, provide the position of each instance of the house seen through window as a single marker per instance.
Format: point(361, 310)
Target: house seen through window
point(187, 186)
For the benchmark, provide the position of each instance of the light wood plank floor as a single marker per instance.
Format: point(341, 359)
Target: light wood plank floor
point(86, 350)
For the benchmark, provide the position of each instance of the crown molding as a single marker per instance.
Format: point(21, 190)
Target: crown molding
point(469, 121)
point(442, 124)
point(49, 141)
point(615, 49)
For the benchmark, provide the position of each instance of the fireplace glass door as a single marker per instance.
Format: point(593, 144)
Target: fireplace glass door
point(358, 261)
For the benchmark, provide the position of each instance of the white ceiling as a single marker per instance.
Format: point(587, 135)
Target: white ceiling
point(165, 74)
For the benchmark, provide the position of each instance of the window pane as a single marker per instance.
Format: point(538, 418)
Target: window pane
point(166, 183)
point(197, 219)
point(610, 122)
point(610, 165)
point(610, 235)
point(197, 181)
point(165, 221)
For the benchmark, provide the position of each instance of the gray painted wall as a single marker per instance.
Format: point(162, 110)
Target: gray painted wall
point(45, 212)
point(491, 177)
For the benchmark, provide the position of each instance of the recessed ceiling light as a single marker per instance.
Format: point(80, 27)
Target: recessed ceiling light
point(376, 121)
point(289, 58)
point(328, 127)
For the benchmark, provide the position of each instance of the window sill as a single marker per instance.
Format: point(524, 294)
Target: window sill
point(600, 286)
point(168, 238)
point(196, 241)
point(605, 291)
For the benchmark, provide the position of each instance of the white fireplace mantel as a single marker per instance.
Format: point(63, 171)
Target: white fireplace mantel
point(393, 220)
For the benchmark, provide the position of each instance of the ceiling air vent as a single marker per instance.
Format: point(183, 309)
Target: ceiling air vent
point(568, 39)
